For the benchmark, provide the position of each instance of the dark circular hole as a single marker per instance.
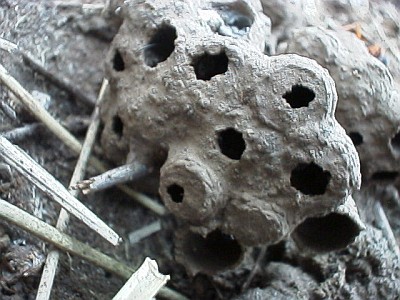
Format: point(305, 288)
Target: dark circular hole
point(238, 20)
point(356, 138)
point(207, 65)
point(331, 232)
point(237, 16)
point(107, 274)
point(117, 126)
point(310, 179)
point(176, 192)
point(299, 96)
point(216, 252)
point(385, 175)
point(118, 62)
point(160, 46)
point(231, 143)
point(395, 141)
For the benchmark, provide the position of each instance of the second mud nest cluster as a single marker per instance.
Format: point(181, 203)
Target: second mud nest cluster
point(247, 145)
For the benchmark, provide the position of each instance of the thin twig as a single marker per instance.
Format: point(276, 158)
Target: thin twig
point(137, 235)
point(255, 269)
point(62, 241)
point(50, 267)
point(21, 133)
point(8, 110)
point(112, 178)
point(83, 6)
point(30, 169)
point(64, 135)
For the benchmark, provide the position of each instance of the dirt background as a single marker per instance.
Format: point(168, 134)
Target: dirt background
point(73, 43)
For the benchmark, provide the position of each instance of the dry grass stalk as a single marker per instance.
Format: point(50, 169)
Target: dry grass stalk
point(25, 165)
point(384, 225)
point(62, 241)
point(144, 284)
point(38, 111)
point(65, 136)
point(138, 235)
point(50, 267)
point(46, 232)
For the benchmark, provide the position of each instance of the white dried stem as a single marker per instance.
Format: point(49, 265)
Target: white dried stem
point(112, 178)
point(384, 225)
point(7, 46)
point(83, 6)
point(137, 235)
point(144, 284)
point(64, 135)
point(50, 267)
point(25, 165)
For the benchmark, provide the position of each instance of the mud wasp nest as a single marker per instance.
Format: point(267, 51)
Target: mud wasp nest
point(253, 148)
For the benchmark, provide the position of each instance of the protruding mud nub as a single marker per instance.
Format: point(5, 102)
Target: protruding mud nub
point(214, 253)
point(189, 189)
point(247, 213)
point(331, 232)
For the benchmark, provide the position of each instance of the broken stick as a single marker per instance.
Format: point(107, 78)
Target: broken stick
point(112, 178)
point(50, 267)
point(30, 169)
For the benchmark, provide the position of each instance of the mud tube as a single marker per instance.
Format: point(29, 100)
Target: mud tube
point(189, 189)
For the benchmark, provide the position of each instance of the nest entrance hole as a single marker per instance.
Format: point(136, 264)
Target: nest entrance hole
point(299, 96)
point(331, 232)
point(118, 62)
point(356, 138)
point(117, 126)
point(214, 253)
point(395, 142)
point(160, 46)
point(310, 179)
point(231, 143)
point(176, 192)
point(207, 65)
point(385, 175)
